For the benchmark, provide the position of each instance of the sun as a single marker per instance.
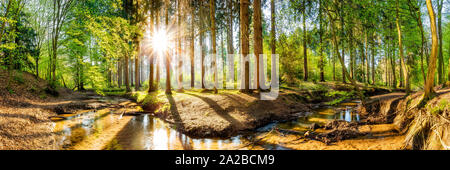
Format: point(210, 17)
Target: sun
point(160, 41)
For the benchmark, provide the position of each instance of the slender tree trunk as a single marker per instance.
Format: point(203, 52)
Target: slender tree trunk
point(230, 47)
point(127, 75)
point(373, 61)
point(159, 58)
point(305, 50)
point(202, 40)
point(212, 8)
point(429, 91)
point(168, 85)
point(192, 49)
point(244, 26)
point(366, 58)
point(440, 54)
point(151, 56)
point(179, 52)
point(119, 73)
point(258, 44)
point(322, 62)
point(402, 58)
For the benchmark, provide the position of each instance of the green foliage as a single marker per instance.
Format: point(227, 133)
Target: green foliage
point(440, 107)
point(339, 96)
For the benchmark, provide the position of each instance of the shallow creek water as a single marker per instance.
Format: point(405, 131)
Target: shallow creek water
point(145, 132)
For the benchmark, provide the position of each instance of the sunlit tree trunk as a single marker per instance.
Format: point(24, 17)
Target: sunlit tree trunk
point(305, 50)
point(151, 56)
point(127, 75)
point(230, 39)
point(119, 73)
point(321, 46)
point(373, 60)
point(212, 8)
point(429, 91)
point(402, 58)
point(159, 58)
point(258, 44)
point(202, 40)
point(191, 47)
point(244, 26)
point(440, 54)
point(179, 52)
point(168, 85)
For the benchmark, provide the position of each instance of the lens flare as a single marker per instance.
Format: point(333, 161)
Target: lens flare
point(160, 41)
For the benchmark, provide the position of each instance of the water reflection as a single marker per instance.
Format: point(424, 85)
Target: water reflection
point(148, 133)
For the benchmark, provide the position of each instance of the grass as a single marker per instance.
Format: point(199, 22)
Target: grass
point(339, 96)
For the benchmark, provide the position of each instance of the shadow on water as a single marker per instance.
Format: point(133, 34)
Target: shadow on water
point(145, 132)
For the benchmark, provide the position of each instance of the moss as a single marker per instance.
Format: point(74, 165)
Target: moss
point(339, 96)
point(440, 107)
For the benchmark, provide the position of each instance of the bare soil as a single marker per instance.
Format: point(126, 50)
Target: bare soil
point(228, 113)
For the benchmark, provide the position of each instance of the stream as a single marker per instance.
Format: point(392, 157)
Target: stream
point(145, 132)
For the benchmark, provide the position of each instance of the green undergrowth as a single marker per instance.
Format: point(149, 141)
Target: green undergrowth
point(339, 96)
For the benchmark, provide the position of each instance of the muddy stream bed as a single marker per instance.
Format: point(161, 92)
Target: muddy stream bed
point(145, 132)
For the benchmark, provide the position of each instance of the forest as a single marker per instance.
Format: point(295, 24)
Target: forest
point(343, 72)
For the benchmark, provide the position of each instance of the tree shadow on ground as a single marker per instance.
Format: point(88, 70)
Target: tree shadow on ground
point(224, 113)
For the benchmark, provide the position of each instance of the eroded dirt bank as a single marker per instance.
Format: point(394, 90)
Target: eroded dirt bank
point(230, 112)
point(227, 114)
point(424, 128)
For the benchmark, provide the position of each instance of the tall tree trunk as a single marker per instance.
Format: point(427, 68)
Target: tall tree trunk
point(429, 91)
point(402, 58)
point(230, 47)
point(119, 73)
point(373, 61)
point(366, 58)
point(258, 44)
point(202, 40)
point(158, 58)
point(151, 56)
point(127, 74)
point(212, 9)
point(191, 47)
point(321, 61)
point(179, 55)
point(440, 54)
point(136, 64)
point(168, 85)
point(305, 50)
point(244, 25)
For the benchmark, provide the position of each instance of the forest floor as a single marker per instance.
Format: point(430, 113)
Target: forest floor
point(204, 114)
point(29, 109)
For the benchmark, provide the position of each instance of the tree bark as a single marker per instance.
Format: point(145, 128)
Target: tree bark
point(258, 44)
point(244, 25)
point(440, 55)
point(321, 61)
point(168, 85)
point(305, 50)
point(191, 47)
point(429, 91)
point(151, 54)
point(212, 8)
point(402, 58)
